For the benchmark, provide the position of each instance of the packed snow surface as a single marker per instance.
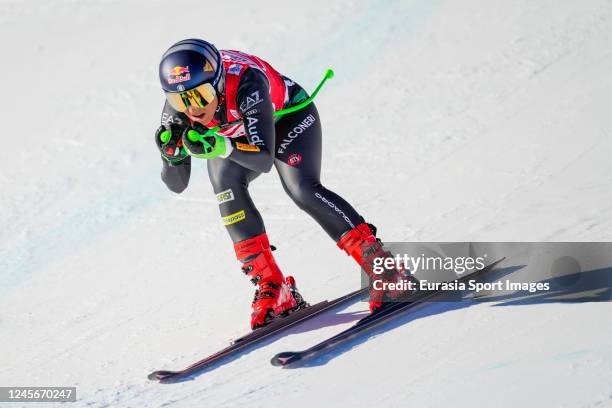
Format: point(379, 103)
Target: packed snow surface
point(468, 120)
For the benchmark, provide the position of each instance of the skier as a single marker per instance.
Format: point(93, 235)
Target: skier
point(205, 88)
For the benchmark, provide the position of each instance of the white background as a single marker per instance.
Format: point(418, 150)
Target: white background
point(469, 120)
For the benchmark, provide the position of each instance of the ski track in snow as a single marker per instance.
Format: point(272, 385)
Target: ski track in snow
point(467, 121)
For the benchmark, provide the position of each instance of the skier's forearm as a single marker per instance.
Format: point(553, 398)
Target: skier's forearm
point(176, 176)
point(256, 108)
point(253, 157)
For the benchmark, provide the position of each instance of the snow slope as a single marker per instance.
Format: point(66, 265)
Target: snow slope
point(474, 121)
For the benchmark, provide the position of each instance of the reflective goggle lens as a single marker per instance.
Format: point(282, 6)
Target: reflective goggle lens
point(199, 96)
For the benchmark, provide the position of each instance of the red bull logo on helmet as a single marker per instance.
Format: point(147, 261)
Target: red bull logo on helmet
point(178, 74)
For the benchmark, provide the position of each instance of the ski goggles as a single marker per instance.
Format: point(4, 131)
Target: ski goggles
point(199, 96)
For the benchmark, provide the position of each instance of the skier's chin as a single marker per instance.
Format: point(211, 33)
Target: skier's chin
point(202, 119)
point(203, 116)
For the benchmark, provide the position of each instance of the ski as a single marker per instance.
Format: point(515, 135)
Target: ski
point(387, 313)
point(256, 336)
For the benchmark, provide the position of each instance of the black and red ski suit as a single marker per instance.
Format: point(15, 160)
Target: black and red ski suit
point(292, 144)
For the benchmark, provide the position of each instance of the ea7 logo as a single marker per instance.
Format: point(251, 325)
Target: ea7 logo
point(250, 101)
point(168, 119)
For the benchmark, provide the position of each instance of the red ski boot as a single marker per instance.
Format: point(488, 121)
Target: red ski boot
point(275, 296)
point(361, 243)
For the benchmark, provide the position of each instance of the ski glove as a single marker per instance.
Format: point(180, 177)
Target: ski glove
point(206, 147)
point(170, 144)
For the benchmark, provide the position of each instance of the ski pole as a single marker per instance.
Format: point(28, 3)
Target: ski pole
point(329, 73)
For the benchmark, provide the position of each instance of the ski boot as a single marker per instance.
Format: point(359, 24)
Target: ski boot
point(276, 296)
point(361, 243)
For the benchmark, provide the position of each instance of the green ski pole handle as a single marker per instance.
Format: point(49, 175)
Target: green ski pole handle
point(329, 73)
point(165, 136)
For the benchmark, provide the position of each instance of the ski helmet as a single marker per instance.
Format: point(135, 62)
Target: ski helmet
point(187, 65)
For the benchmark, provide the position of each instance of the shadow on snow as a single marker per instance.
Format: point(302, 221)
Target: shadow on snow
point(581, 287)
